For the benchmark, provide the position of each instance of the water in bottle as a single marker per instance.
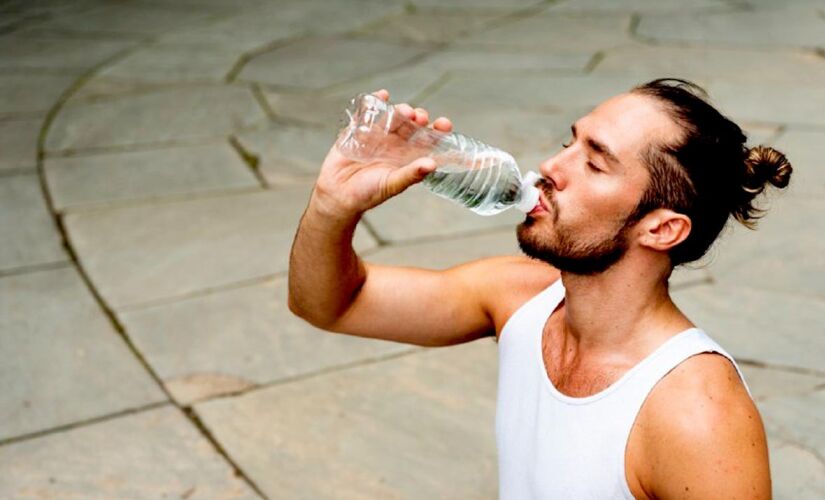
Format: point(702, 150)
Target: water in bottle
point(476, 175)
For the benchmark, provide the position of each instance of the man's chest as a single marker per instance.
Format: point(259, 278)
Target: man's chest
point(571, 371)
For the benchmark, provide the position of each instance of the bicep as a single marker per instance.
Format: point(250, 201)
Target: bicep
point(418, 306)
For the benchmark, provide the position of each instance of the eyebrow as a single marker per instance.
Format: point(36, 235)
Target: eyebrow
point(598, 147)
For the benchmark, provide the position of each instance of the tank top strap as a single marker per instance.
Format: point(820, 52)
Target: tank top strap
point(532, 315)
point(685, 345)
point(662, 361)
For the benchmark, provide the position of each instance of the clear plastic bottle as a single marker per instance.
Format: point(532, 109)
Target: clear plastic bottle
point(474, 174)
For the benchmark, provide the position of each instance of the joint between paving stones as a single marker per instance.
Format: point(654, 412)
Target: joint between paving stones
point(48, 266)
point(234, 71)
point(785, 368)
point(594, 61)
point(83, 423)
point(259, 96)
point(172, 299)
point(74, 258)
point(195, 419)
point(250, 159)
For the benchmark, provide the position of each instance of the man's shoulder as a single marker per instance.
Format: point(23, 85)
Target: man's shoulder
point(699, 421)
point(506, 282)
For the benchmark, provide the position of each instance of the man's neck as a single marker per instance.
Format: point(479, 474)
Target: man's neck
point(624, 309)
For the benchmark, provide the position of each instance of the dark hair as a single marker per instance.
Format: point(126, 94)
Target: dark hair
point(708, 173)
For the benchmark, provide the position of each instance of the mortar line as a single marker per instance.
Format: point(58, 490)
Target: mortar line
point(323, 371)
point(158, 199)
point(35, 268)
point(99, 299)
point(82, 423)
point(778, 367)
point(250, 159)
point(203, 292)
point(262, 102)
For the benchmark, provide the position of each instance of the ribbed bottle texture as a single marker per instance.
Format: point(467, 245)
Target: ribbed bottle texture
point(481, 177)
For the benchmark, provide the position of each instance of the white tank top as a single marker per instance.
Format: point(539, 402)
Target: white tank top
point(552, 446)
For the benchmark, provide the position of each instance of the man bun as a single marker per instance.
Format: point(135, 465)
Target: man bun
point(762, 165)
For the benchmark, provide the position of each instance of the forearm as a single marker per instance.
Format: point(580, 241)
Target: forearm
point(325, 273)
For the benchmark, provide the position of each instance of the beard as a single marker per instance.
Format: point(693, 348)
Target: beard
point(569, 254)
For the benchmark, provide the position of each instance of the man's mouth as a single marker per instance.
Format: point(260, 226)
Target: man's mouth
point(540, 207)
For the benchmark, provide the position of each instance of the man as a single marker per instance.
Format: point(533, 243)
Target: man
point(606, 389)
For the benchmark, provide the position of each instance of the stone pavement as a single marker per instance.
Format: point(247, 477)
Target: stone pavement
point(156, 155)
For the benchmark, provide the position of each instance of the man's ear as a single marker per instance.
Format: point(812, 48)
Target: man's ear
point(663, 229)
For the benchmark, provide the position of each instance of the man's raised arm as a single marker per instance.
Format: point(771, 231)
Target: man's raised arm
point(329, 285)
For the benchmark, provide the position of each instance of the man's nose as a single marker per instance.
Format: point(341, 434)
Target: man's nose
point(552, 170)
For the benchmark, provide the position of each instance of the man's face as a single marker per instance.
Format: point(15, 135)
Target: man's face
point(591, 187)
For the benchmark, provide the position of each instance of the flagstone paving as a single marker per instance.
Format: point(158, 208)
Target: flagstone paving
point(156, 157)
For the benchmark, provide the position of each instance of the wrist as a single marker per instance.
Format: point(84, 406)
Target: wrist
point(325, 210)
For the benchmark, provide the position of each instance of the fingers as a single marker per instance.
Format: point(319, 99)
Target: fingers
point(412, 173)
point(443, 124)
point(419, 116)
point(382, 94)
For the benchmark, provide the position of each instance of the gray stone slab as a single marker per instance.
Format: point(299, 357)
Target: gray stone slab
point(766, 383)
point(148, 253)
point(796, 472)
point(254, 26)
point(797, 419)
point(287, 154)
point(62, 361)
point(645, 6)
point(26, 94)
point(493, 60)
point(18, 143)
point(175, 63)
point(419, 214)
point(766, 326)
point(326, 109)
point(806, 151)
point(448, 252)
point(428, 26)
point(237, 339)
point(56, 53)
point(137, 20)
point(777, 102)
point(152, 454)
point(739, 65)
point(792, 27)
point(405, 84)
point(786, 252)
point(161, 116)
point(315, 63)
point(82, 180)
point(537, 93)
point(494, 5)
point(29, 234)
point(419, 426)
point(560, 33)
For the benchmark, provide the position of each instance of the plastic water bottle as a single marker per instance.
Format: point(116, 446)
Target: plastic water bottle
point(474, 174)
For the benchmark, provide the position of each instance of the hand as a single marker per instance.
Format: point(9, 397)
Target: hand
point(346, 188)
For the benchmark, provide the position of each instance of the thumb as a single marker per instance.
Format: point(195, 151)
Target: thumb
point(409, 174)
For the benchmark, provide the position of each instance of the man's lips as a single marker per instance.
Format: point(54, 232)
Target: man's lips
point(541, 206)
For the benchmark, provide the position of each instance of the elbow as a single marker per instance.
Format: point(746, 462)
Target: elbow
point(307, 315)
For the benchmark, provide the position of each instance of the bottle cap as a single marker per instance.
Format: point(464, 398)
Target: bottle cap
point(529, 193)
